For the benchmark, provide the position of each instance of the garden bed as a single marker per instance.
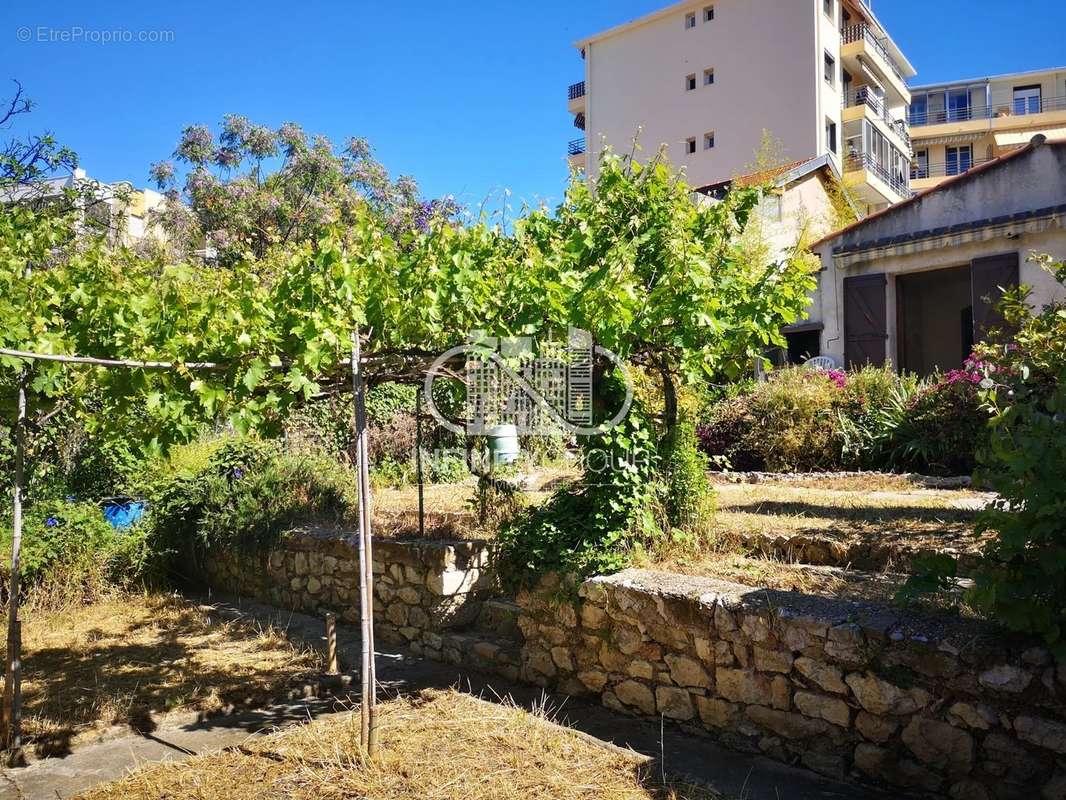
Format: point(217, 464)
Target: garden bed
point(874, 522)
point(481, 751)
point(128, 659)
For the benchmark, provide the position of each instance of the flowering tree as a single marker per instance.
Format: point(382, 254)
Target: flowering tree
point(253, 188)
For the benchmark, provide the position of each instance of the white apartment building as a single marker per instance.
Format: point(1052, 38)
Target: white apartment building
point(962, 124)
point(706, 79)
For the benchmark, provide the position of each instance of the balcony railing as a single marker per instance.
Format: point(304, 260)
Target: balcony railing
point(575, 91)
point(944, 169)
point(860, 161)
point(1009, 108)
point(862, 31)
point(864, 96)
point(575, 147)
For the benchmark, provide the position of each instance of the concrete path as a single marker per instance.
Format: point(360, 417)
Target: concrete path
point(737, 776)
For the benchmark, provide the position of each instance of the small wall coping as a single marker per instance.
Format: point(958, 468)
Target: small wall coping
point(879, 621)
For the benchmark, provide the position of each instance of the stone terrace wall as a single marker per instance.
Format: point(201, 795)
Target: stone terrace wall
point(421, 588)
point(950, 708)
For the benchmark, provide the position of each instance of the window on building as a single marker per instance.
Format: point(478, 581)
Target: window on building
point(919, 109)
point(830, 70)
point(708, 77)
point(1027, 99)
point(959, 107)
point(827, 6)
point(690, 82)
point(958, 160)
point(770, 208)
point(690, 145)
point(920, 165)
point(831, 135)
point(708, 14)
point(708, 140)
point(690, 21)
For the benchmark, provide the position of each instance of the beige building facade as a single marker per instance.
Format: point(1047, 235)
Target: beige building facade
point(914, 286)
point(962, 124)
point(828, 80)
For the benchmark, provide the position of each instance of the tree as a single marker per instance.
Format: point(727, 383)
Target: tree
point(254, 188)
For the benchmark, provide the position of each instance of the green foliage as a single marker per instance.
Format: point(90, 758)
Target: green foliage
point(688, 498)
point(1022, 578)
point(936, 431)
point(245, 497)
point(813, 420)
point(70, 548)
point(597, 525)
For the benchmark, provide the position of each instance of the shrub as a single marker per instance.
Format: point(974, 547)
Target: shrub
point(247, 495)
point(70, 551)
point(688, 499)
point(937, 431)
point(1022, 578)
point(810, 420)
point(599, 523)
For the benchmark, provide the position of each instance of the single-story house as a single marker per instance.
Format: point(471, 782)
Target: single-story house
point(914, 285)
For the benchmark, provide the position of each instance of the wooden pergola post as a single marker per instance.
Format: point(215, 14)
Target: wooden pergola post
point(368, 708)
point(13, 672)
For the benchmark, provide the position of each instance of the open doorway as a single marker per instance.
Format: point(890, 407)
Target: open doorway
point(935, 319)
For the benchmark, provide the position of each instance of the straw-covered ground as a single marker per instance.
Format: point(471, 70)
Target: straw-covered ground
point(126, 657)
point(439, 745)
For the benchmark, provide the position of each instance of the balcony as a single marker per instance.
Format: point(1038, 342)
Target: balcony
point(876, 110)
point(874, 182)
point(1007, 110)
point(575, 97)
point(925, 175)
point(575, 152)
point(862, 49)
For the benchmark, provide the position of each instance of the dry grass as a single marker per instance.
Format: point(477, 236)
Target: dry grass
point(126, 657)
point(449, 509)
point(437, 746)
point(915, 518)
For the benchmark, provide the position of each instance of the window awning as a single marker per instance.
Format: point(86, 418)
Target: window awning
point(1015, 138)
point(921, 142)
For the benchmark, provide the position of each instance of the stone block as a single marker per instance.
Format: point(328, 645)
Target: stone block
point(977, 716)
point(1044, 733)
point(685, 671)
point(742, 686)
point(767, 660)
point(1005, 678)
point(817, 706)
point(593, 680)
point(876, 729)
point(674, 703)
point(717, 713)
point(562, 658)
point(940, 745)
point(881, 697)
point(786, 724)
point(638, 668)
point(825, 676)
point(636, 695)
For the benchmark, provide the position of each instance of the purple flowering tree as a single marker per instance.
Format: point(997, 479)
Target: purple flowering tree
point(251, 188)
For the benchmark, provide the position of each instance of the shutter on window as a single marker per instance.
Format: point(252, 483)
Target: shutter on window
point(865, 326)
point(989, 277)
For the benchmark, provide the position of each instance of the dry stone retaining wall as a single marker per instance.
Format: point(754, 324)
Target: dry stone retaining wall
point(422, 589)
point(931, 706)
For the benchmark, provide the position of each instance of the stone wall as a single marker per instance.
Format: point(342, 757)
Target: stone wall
point(930, 705)
point(421, 588)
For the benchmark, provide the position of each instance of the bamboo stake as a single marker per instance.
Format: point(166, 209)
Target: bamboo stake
point(368, 541)
point(418, 464)
point(364, 602)
point(332, 664)
point(13, 673)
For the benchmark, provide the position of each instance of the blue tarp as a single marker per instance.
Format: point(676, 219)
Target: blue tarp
point(123, 515)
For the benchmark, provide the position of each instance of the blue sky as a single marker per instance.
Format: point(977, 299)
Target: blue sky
point(468, 97)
